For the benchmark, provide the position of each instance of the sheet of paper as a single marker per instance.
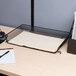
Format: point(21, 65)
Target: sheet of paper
point(8, 58)
point(37, 41)
point(74, 28)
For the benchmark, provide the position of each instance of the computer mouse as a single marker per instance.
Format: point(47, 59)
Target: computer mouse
point(3, 37)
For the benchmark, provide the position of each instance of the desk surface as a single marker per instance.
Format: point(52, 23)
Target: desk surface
point(31, 62)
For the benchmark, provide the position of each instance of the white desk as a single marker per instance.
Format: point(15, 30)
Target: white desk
point(31, 62)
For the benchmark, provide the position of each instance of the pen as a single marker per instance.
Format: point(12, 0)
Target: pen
point(4, 54)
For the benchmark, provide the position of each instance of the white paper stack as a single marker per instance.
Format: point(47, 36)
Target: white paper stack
point(8, 58)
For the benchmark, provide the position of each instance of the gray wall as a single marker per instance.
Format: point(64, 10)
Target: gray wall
point(54, 14)
point(14, 12)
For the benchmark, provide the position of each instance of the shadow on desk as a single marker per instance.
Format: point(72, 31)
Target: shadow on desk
point(5, 73)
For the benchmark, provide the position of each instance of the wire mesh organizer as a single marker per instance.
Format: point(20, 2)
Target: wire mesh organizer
point(47, 40)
